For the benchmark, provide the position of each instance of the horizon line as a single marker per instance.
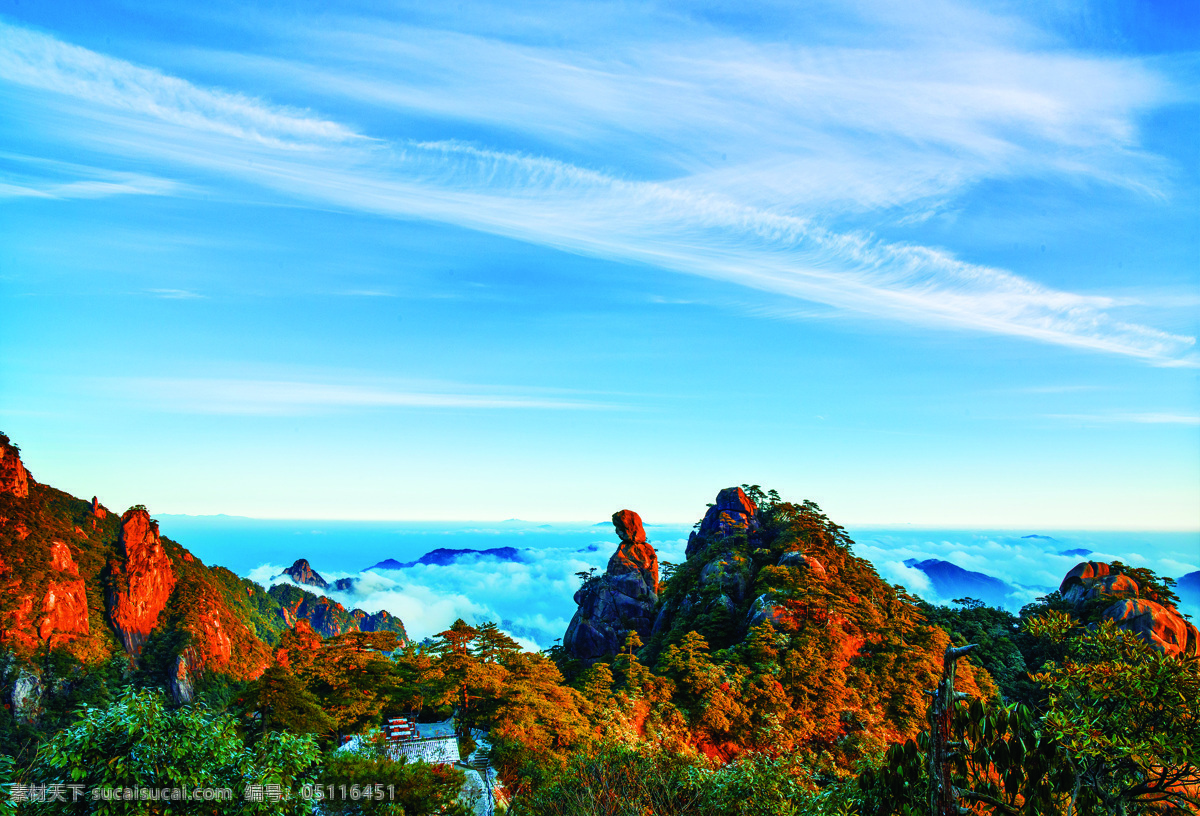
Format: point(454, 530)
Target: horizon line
point(914, 526)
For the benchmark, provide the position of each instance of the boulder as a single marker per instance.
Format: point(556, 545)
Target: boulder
point(764, 610)
point(1117, 585)
point(1086, 571)
point(727, 604)
point(1160, 626)
point(97, 511)
point(140, 581)
point(590, 640)
point(629, 527)
point(26, 696)
point(634, 555)
point(182, 684)
point(796, 558)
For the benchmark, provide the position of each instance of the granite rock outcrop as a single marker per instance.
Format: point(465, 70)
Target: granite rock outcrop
point(302, 573)
point(1160, 626)
point(733, 512)
point(140, 580)
point(1134, 607)
point(797, 558)
point(181, 683)
point(621, 600)
point(26, 696)
point(64, 606)
point(327, 617)
point(14, 479)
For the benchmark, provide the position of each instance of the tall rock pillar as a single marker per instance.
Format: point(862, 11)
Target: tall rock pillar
point(620, 600)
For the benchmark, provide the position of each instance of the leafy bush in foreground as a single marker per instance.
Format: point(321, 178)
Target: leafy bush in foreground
point(137, 742)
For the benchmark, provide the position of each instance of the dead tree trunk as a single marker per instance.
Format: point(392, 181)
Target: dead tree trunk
point(943, 796)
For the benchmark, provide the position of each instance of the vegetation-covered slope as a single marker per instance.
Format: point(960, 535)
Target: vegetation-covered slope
point(87, 594)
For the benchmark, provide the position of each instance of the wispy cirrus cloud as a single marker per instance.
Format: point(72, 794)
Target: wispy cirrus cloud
point(291, 397)
point(88, 189)
point(40, 61)
point(176, 294)
point(821, 117)
point(1148, 418)
point(24, 176)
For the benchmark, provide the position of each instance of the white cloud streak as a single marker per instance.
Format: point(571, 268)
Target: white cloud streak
point(1136, 419)
point(944, 123)
point(280, 397)
point(37, 60)
point(87, 188)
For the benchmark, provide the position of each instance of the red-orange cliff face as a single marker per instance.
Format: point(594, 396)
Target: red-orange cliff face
point(75, 576)
point(64, 606)
point(14, 479)
point(139, 583)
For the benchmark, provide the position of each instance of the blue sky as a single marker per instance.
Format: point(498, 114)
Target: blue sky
point(933, 263)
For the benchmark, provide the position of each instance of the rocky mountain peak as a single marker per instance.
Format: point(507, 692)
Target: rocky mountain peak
point(302, 573)
point(14, 479)
point(733, 512)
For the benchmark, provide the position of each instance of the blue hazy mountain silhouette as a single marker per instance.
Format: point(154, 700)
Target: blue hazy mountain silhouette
point(443, 556)
point(1187, 587)
point(952, 581)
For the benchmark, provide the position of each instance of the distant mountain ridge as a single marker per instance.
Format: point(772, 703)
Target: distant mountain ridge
point(952, 581)
point(1187, 587)
point(443, 556)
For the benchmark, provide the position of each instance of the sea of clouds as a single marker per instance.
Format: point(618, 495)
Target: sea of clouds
point(532, 597)
point(1032, 564)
